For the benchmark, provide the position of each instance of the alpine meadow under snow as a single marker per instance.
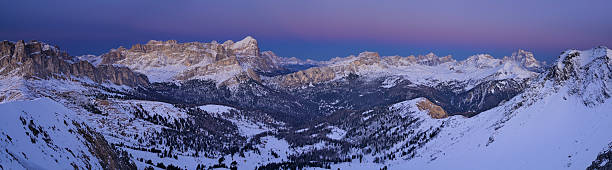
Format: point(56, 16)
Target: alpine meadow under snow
point(198, 105)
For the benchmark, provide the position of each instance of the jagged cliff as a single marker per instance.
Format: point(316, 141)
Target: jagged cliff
point(225, 63)
point(340, 68)
point(39, 60)
point(588, 73)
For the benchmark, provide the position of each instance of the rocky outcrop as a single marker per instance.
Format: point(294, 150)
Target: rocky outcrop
point(261, 63)
point(588, 74)
point(525, 59)
point(603, 160)
point(322, 74)
point(246, 47)
point(480, 61)
point(432, 59)
point(112, 56)
point(170, 60)
point(305, 77)
point(367, 58)
point(432, 109)
point(109, 157)
point(40, 60)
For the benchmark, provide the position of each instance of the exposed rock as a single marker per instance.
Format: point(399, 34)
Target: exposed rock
point(246, 47)
point(367, 58)
point(228, 43)
point(588, 73)
point(322, 74)
point(253, 75)
point(480, 61)
point(525, 59)
point(432, 59)
point(432, 109)
point(445, 59)
point(170, 60)
point(109, 157)
point(113, 56)
point(603, 160)
point(39, 60)
point(312, 75)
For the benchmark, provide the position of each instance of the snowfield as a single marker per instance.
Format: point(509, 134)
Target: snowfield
point(42, 137)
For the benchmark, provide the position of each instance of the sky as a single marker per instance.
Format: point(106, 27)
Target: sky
point(319, 29)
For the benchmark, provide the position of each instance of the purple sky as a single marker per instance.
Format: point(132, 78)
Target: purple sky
point(319, 29)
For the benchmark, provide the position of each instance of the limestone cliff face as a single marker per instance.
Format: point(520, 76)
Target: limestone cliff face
point(163, 53)
point(525, 59)
point(246, 47)
point(305, 77)
point(170, 60)
point(40, 60)
point(363, 62)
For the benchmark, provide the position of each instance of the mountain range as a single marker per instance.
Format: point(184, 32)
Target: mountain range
point(197, 105)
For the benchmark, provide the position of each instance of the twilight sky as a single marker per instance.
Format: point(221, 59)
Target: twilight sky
point(319, 29)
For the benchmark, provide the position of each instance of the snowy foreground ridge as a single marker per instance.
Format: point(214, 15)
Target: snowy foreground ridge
point(238, 108)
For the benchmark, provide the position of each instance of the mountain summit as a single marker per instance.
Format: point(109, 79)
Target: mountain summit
point(588, 73)
point(169, 60)
point(40, 60)
point(525, 59)
point(246, 47)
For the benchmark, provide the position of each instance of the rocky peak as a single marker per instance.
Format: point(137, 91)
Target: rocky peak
point(525, 59)
point(40, 60)
point(20, 52)
point(432, 59)
point(428, 57)
point(481, 57)
point(368, 54)
point(156, 42)
point(112, 56)
point(368, 58)
point(481, 60)
point(246, 47)
point(170, 60)
point(571, 62)
point(587, 73)
point(227, 44)
point(227, 63)
point(309, 76)
point(448, 58)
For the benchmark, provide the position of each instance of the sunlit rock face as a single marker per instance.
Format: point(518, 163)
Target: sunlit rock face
point(173, 61)
point(39, 60)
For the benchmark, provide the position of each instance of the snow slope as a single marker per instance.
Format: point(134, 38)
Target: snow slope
point(553, 133)
point(552, 125)
point(41, 137)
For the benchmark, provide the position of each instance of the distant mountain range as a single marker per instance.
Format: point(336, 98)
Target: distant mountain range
point(195, 105)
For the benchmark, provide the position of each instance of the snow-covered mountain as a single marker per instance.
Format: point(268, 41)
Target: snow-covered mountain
point(197, 105)
point(554, 124)
point(428, 69)
point(226, 63)
point(43, 134)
